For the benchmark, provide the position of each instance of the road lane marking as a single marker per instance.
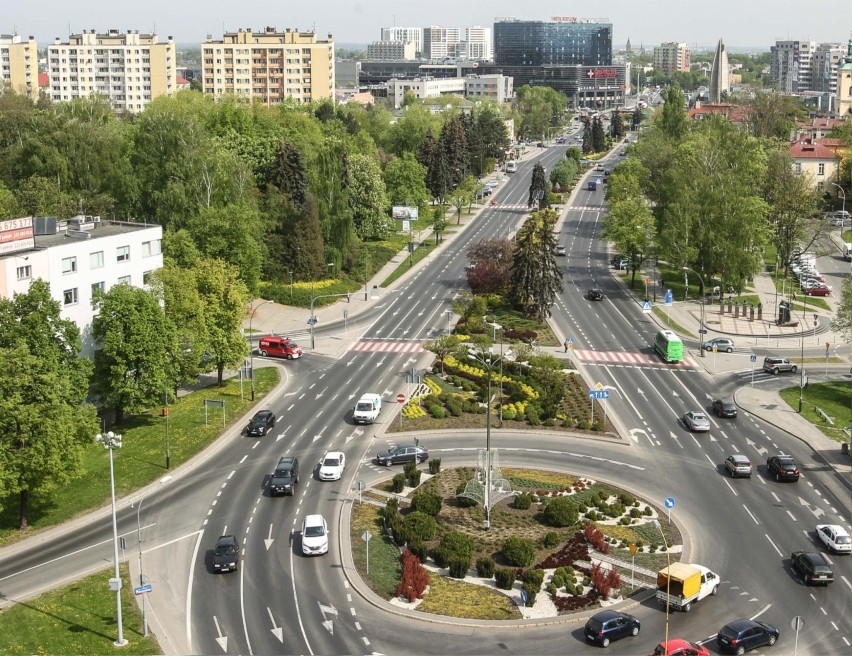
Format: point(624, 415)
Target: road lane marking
point(750, 515)
point(780, 553)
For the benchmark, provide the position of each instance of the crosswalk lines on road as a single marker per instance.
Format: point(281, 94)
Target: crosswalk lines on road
point(629, 359)
point(386, 346)
point(510, 206)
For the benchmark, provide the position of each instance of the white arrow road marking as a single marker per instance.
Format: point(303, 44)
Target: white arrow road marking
point(356, 433)
point(268, 541)
point(634, 435)
point(760, 450)
point(319, 395)
point(221, 639)
point(327, 623)
point(675, 438)
point(277, 631)
point(817, 512)
point(319, 435)
point(283, 433)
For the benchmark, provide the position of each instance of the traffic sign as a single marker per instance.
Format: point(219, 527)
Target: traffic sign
point(668, 297)
point(400, 398)
point(633, 549)
point(798, 623)
point(142, 589)
point(715, 349)
point(599, 394)
point(312, 321)
point(646, 306)
point(753, 357)
point(702, 331)
point(669, 502)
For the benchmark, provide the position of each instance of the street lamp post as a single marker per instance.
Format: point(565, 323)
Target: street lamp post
point(489, 363)
point(802, 356)
point(702, 302)
point(668, 580)
point(843, 192)
point(112, 441)
point(251, 347)
point(141, 576)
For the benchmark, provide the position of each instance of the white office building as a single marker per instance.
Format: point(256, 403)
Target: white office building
point(406, 35)
point(478, 43)
point(76, 257)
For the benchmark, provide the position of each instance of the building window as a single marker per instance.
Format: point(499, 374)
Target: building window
point(798, 167)
point(146, 277)
point(25, 272)
point(98, 286)
point(69, 265)
point(69, 296)
point(821, 169)
point(96, 260)
point(150, 248)
point(122, 254)
point(124, 280)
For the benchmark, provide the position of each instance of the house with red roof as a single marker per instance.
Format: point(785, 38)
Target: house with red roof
point(818, 162)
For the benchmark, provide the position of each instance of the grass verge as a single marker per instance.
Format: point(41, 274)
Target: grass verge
point(142, 458)
point(76, 619)
point(832, 397)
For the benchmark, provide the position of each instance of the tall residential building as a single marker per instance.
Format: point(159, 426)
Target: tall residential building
point(441, 42)
point(391, 51)
point(129, 69)
point(478, 43)
point(790, 65)
point(719, 74)
point(407, 34)
point(672, 57)
point(844, 85)
point(825, 61)
point(269, 66)
point(19, 65)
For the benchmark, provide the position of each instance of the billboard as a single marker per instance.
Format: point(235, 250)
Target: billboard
point(405, 212)
point(16, 235)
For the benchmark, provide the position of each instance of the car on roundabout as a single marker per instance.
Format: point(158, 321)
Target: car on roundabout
point(812, 567)
point(680, 647)
point(696, 421)
point(226, 554)
point(608, 625)
point(331, 466)
point(403, 453)
point(314, 535)
point(559, 250)
point(725, 408)
point(835, 538)
point(743, 635)
point(725, 344)
point(262, 422)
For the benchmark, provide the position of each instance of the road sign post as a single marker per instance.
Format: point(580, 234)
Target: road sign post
point(633, 549)
point(400, 398)
point(753, 359)
point(366, 536)
point(669, 503)
point(797, 625)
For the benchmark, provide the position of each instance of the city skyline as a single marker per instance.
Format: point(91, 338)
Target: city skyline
point(740, 25)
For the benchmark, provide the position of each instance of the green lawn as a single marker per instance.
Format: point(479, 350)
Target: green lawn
point(142, 458)
point(831, 397)
point(76, 619)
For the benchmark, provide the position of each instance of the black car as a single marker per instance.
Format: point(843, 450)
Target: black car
point(403, 453)
point(285, 477)
point(226, 555)
point(595, 295)
point(783, 468)
point(608, 625)
point(559, 250)
point(812, 567)
point(261, 423)
point(740, 636)
point(725, 407)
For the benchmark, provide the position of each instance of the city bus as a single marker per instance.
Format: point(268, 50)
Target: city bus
point(669, 346)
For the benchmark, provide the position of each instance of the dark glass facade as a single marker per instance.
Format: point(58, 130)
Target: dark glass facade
point(538, 43)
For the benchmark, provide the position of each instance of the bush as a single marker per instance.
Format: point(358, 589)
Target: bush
point(458, 567)
point(455, 406)
point(504, 578)
point(533, 577)
point(427, 502)
point(519, 552)
point(647, 511)
point(419, 526)
point(413, 479)
point(434, 466)
point(532, 591)
point(437, 411)
point(391, 508)
point(563, 577)
point(453, 544)
point(398, 483)
point(604, 581)
point(635, 512)
point(624, 521)
point(509, 413)
point(485, 567)
point(560, 512)
point(532, 415)
point(626, 499)
point(550, 540)
point(594, 537)
point(419, 549)
point(414, 577)
point(523, 501)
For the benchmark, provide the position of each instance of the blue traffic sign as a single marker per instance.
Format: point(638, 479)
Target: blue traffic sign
point(668, 297)
point(753, 357)
point(142, 589)
point(570, 340)
point(646, 306)
point(599, 394)
point(669, 502)
point(312, 321)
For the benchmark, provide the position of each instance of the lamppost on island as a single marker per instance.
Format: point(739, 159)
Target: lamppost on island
point(488, 361)
point(668, 580)
point(251, 346)
point(843, 196)
point(802, 356)
point(701, 328)
point(112, 441)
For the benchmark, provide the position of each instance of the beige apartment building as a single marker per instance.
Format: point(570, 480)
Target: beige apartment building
point(672, 57)
point(130, 69)
point(19, 65)
point(269, 66)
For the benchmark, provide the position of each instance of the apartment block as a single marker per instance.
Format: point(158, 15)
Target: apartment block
point(406, 34)
point(441, 42)
point(269, 66)
point(130, 69)
point(19, 65)
point(391, 51)
point(478, 43)
point(495, 86)
point(672, 57)
point(825, 62)
point(790, 65)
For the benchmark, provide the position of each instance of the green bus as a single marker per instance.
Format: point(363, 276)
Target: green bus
point(669, 346)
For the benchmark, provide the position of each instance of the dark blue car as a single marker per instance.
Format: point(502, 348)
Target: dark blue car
point(740, 636)
point(608, 625)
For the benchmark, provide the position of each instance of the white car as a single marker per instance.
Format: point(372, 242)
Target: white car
point(835, 538)
point(314, 535)
point(331, 466)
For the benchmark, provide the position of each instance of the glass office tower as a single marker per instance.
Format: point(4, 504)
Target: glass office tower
point(552, 43)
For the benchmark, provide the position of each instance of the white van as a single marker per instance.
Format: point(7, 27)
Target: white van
point(847, 252)
point(367, 409)
point(511, 166)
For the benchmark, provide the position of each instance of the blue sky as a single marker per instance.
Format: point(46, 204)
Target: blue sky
point(741, 23)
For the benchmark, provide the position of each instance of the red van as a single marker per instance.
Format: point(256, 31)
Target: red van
point(282, 347)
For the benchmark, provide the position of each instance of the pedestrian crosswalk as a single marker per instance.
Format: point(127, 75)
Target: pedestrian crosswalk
point(628, 359)
point(589, 208)
point(511, 206)
point(387, 346)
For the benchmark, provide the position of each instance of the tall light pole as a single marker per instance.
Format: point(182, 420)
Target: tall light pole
point(488, 361)
point(843, 192)
point(112, 441)
point(802, 363)
point(668, 580)
point(251, 346)
point(701, 328)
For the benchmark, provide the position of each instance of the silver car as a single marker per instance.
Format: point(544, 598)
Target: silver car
point(738, 465)
point(696, 421)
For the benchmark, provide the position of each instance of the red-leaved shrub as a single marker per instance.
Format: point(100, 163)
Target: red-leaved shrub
point(595, 538)
point(415, 578)
point(604, 581)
